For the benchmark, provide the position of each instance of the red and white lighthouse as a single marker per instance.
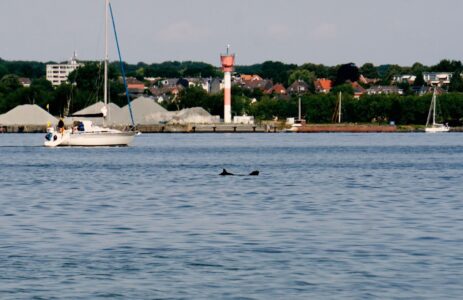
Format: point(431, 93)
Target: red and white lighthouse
point(228, 62)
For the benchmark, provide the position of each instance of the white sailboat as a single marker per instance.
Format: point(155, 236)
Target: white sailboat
point(86, 133)
point(299, 122)
point(434, 127)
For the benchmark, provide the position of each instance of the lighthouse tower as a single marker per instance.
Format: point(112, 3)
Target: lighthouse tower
point(228, 62)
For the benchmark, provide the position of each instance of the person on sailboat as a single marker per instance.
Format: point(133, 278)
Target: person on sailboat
point(61, 126)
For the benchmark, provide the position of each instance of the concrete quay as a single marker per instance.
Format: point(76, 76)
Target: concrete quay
point(161, 128)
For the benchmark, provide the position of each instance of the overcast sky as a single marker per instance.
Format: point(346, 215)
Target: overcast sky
point(292, 31)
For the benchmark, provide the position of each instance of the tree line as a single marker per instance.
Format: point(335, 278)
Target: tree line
point(85, 88)
point(279, 72)
point(320, 108)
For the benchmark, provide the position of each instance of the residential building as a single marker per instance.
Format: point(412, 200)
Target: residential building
point(384, 90)
point(277, 89)
point(410, 79)
point(204, 83)
point(254, 77)
point(136, 87)
point(423, 90)
point(169, 82)
point(366, 80)
point(298, 87)
point(216, 85)
point(58, 73)
point(437, 78)
point(263, 85)
point(323, 85)
point(25, 82)
point(358, 90)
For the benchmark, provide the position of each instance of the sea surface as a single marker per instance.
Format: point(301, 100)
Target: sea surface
point(331, 216)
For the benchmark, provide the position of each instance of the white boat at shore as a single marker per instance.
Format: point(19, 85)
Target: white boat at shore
point(299, 122)
point(84, 133)
point(434, 127)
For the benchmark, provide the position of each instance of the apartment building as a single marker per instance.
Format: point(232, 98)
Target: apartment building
point(58, 73)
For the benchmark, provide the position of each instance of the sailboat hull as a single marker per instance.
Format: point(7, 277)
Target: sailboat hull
point(100, 139)
point(90, 139)
point(436, 129)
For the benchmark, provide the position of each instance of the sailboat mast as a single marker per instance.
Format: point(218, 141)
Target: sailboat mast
point(106, 57)
point(434, 107)
point(339, 108)
point(299, 109)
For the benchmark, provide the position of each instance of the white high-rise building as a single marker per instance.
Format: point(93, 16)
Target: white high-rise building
point(58, 73)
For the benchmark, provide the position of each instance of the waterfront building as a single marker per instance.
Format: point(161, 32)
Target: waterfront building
point(58, 73)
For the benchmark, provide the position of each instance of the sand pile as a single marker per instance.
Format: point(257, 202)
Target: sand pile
point(145, 111)
point(27, 115)
point(195, 115)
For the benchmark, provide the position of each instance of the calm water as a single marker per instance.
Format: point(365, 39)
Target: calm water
point(332, 216)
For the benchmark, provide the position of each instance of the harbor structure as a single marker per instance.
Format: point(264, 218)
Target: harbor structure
point(228, 62)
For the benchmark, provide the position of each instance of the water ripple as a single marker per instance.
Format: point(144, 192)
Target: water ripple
point(332, 216)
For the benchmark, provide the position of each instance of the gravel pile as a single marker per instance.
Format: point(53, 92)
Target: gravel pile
point(115, 114)
point(195, 115)
point(145, 111)
point(27, 115)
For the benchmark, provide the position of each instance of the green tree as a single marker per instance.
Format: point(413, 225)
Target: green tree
point(10, 92)
point(3, 69)
point(418, 68)
point(446, 65)
point(277, 71)
point(369, 71)
point(419, 80)
point(319, 108)
point(61, 96)
point(302, 74)
point(405, 87)
point(456, 83)
point(191, 97)
point(346, 89)
point(9, 83)
point(347, 72)
point(268, 108)
point(252, 69)
point(390, 72)
point(320, 71)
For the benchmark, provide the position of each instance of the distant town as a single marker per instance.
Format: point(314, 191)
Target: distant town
point(266, 91)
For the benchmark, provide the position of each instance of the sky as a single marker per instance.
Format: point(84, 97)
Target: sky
point(327, 32)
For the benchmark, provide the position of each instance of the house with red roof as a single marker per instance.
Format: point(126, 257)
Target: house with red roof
point(323, 85)
point(245, 77)
point(277, 89)
point(135, 87)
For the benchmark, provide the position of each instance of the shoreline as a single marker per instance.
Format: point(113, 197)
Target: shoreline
point(241, 128)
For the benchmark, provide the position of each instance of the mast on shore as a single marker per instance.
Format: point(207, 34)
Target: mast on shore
point(340, 107)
